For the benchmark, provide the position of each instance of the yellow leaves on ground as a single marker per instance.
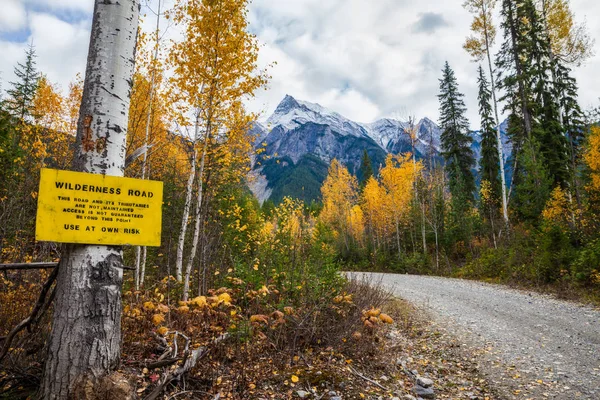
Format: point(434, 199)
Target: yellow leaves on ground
point(224, 298)
point(158, 319)
point(259, 318)
point(162, 330)
point(263, 290)
point(343, 298)
point(386, 319)
point(183, 309)
point(295, 379)
point(374, 316)
point(162, 308)
point(288, 310)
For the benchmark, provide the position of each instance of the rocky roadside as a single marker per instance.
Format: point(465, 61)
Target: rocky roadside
point(415, 360)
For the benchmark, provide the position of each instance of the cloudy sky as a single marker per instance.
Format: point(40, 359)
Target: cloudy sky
point(365, 59)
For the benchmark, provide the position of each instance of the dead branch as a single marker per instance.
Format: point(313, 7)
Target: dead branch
point(355, 372)
point(37, 265)
point(40, 307)
point(190, 360)
point(163, 363)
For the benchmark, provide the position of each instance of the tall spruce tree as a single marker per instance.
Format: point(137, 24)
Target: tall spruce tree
point(512, 77)
point(545, 109)
point(455, 138)
point(572, 118)
point(479, 46)
point(533, 188)
point(366, 169)
point(526, 75)
point(23, 90)
point(489, 165)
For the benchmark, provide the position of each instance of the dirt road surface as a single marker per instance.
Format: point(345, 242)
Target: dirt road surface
point(530, 345)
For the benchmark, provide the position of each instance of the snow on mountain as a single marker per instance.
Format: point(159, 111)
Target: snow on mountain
point(385, 130)
point(506, 144)
point(291, 114)
point(301, 138)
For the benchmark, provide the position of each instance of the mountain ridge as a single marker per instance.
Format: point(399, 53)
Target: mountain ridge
point(300, 139)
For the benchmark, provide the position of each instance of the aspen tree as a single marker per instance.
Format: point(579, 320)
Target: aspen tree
point(85, 342)
point(570, 42)
point(340, 194)
point(478, 46)
point(398, 178)
point(215, 66)
point(141, 251)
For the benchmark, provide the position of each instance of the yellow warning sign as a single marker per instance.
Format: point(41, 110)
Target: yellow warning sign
point(77, 207)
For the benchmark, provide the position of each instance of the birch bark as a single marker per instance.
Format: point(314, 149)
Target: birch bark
point(498, 132)
point(195, 239)
point(188, 204)
point(140, 265)
point(85, 341)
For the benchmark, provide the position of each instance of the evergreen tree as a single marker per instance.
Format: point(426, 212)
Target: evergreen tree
point(512, 77)
point(23, 91)
point(533, 188)
point(455, 137)
point(571, 114)
point(545, 109)
point(489, 166)
point(8, 153)
point(366, 169)
point(526, 65)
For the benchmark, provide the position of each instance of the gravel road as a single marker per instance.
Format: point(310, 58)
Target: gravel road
point(530, 345)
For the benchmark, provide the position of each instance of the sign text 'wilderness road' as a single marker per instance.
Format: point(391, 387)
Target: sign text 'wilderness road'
point(76, 207)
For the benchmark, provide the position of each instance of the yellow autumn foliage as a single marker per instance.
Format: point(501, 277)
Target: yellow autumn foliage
point(259, 318)
point(183, 309)
point(224, 298)
point(557, 208)
point(592, 159)
point(199, 302)
point(158, 319)
point(386, 319)
point(162, 330)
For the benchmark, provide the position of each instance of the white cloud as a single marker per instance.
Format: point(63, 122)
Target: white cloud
point(85, 6)
point(13, 16)
point(387, 53)
point(61, 47)
point(364, 48)
point(364, 59)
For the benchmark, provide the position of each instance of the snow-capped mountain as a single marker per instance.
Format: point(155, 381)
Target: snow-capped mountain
point(300, 139)
point(291, 114)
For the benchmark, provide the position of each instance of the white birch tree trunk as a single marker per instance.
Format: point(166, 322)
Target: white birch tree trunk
point(188, 204)
point(197, 217)
point(85, 341)
point(140, 268)
point(499, 140)
point(498, 132)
